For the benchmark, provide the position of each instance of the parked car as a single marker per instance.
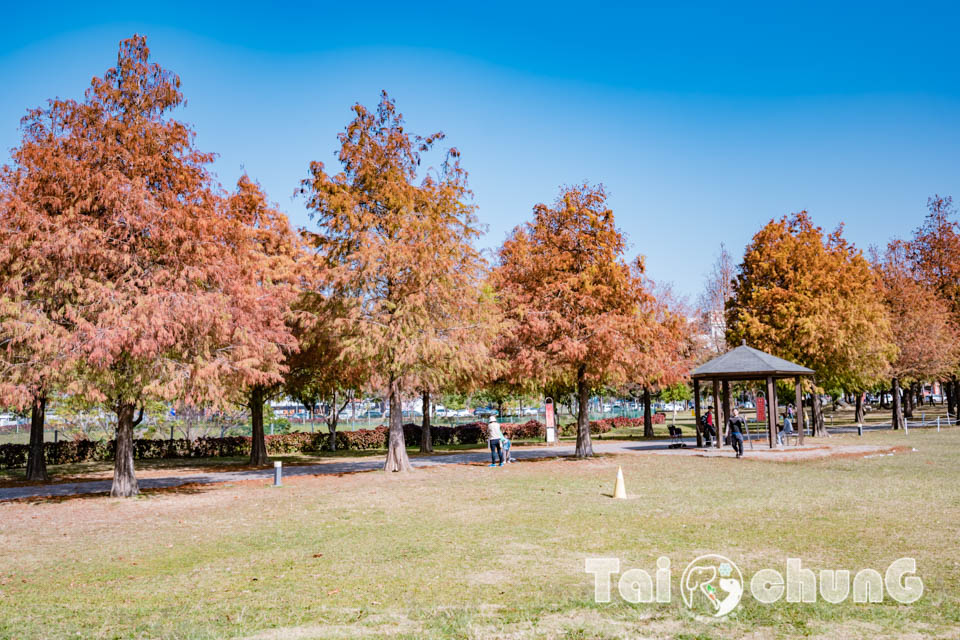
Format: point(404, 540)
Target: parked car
point(461, 413)
point(747, 405)
point(373, 413)
point(532, 411)
point(485, 412)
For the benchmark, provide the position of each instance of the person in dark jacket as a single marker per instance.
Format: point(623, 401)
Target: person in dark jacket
point(706, 422)
point(735, 427)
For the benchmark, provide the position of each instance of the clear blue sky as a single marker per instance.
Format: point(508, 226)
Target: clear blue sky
point(704, 120)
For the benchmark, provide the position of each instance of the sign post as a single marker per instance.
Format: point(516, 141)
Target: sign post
point(551, 421)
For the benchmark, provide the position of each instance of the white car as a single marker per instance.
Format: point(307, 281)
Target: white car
point(9, 419)
point(532, 411)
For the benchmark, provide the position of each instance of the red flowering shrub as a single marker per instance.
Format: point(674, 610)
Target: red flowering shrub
point(529, 430)
point(363, 439)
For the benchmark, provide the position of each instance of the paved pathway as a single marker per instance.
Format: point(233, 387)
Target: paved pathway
point(339, 465)
point(333, 467)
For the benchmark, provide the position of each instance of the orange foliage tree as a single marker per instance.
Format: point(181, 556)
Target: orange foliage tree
point(398, 254)
point(269, 257)
point(159, 300)
point(324, 373)
point(812, 298)
point(35, 309)
point(921, 327)
point(934, 254)
point(670, 352)
point(575, 313)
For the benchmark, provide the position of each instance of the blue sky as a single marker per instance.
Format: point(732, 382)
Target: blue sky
point(704, 120)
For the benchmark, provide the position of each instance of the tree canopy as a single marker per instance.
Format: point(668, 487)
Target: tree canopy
point(399, 253)
point(811, 298)
point(575, 312)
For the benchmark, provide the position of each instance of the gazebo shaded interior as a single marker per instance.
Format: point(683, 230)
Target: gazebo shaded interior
point(745, 364)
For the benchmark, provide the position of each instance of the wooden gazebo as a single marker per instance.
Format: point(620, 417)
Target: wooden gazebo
point(742, 364)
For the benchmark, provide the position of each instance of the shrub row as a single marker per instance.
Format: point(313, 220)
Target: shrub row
point(14, 456)
point(608, 424)
point(67, 452)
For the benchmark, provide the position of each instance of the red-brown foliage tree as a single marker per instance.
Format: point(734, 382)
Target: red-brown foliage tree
point(398, 253)
point(934, 253)
point(271, 259)
point(921, 326)
point(159, 297)
point(575, 312)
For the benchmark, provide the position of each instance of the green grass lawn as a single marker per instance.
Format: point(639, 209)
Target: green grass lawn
point(473, 552)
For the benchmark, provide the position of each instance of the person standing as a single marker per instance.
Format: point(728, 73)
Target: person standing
point(708, 427)
point(735, 427)
point(787, 425)
point(494, 437)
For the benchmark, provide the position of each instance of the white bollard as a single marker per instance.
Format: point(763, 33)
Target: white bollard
point(277, 473)
point(938, 424)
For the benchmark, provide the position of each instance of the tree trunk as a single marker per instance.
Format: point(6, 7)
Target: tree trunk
point(908, 403)
point(858, 415)
point(397, 459)
point(258, 447)
point(897, 415)
point(647, 415)
point(816, 409)
point(124, 478)
point(950, 388)
point(332, 423)
point(426, 438)
point(584, 445)
point(36, 465)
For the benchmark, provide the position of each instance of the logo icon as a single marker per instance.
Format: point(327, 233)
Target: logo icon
point(712, 581)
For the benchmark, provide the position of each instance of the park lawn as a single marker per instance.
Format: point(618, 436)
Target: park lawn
point(474, 552)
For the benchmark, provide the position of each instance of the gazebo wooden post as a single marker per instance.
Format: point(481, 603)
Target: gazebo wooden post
point(799, 410)
point(726, 401)
point(718, 420)
point(696, 411)
point(771, 415)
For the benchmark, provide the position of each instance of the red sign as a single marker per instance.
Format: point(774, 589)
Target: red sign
point(551, 421)
point(761, 409)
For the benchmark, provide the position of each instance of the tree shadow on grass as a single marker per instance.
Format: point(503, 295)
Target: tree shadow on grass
point(147, 493)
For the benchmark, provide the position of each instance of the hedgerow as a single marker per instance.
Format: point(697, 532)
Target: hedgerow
point(13, 456)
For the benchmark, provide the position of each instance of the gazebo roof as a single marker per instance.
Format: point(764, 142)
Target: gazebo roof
point(745, 363)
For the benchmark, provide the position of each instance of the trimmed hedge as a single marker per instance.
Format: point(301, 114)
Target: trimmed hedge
point(14, 456)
